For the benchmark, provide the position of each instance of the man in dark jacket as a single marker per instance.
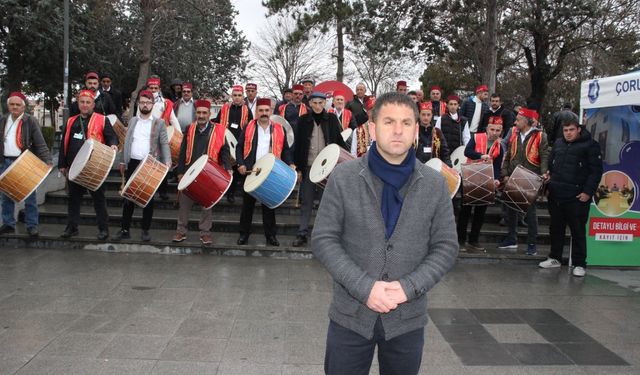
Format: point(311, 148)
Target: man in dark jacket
point(558, 120)
point(475, 107)
point(315, 130)
point(21, 132)
point(103, 103)
point(575, 169)
point(431, 142)
point(357, 105)
point(116, 95)
point(496, 108)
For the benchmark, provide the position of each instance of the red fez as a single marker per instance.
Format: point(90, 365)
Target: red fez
point(371, 101)
point(237, 88)
point(251, 86)
point(453, 97)
point(338, 93)
point(298, 88)
point(435, 88)
point(91, 75)
point(263, 101)
point(87, 93)
point(482, 88)
point(18, 94)
point(146, 94)
point(529, 113)
point(495, 120)
point(153, 81)
point(401, 84)
point(203, 103)
point(187, 85)
point(426, 106)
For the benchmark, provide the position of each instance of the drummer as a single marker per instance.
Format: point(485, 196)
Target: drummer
point(146, 135)
point(87, 125)
point(431, 142)
point(202, 137)
point(527, 146)
point(21, 132)
point(361, 134)
point(482, 147)
point(258, 138)
point(347, 121)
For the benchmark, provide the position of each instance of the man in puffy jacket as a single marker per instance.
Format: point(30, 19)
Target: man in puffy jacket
point(575, 169)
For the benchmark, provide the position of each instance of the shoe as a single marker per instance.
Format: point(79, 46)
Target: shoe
point(122, 235)
point(103, 234)
point(243, 239)
point(531, 249)
point(69, 232)
point(579, 271)
point(5, 229)
point(179, 237)
point(299, 241)
point(146, 237)
point(461, 247)
point(508, 244)
point(206, 239)
point(272, 241)
point(231, 199)
point(474, 247)
point(33, 232)
point(549, 263)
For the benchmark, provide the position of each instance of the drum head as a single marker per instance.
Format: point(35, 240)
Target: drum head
point(81, 159)
point(232, 141)
point(254, 180)
point(346, 133)
point(324, 163)
point(287, 127)
point(457, 158)
point(434, 163)
point(193, 172)
point(135, 173)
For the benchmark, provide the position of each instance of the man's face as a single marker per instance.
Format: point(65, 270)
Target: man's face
point(251, 93)
point(263, 113)
point(91, 84)
point(494, 131)
point(177, 88)
point(435, 95)
point(154, 88)
point(288, 96)
point(338, 102)
point(202, 116)
point(521, 122)
point(187, 94)
point(16, 106)
point(106, 83)
point(86, 105)
point(394, 129)
point(571, 132)
point(496, 102)
point(297, 96)
point(360, 91)
point(414, 97)
point(402, 89)
point(425, 117)
point(483, 95)
point(452, 106)
point(317, 105)
point(145, 105)
point(308, 88)
point(420, 95)
point(237, 97)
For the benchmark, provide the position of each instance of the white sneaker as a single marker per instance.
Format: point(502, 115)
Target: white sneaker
point(579, 272)
point(549, 263)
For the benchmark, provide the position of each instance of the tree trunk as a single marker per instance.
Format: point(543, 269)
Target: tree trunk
point(340, 38)
point(491, 41)
point(148, 7)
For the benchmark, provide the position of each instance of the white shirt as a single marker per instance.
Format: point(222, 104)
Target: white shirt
point(158, 110)
point(252, 106)
point(264, 141)
point(185, 113)
point(141, 142)
point(475, 120)
point(10, 146)
point(523, 136)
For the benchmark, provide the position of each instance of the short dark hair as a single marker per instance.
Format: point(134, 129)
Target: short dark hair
point(570, 122)
point(495, 95)
point(394, 98)
point(567, 106)
point(412, 93)
point(287, 90)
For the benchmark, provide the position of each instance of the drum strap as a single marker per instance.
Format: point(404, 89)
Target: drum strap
point(18, 133)
point(166, 114)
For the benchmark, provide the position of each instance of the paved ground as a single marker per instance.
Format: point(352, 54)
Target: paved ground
point(82, 312)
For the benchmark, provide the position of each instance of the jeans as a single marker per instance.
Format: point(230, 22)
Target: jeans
point(532, 224)
point(8, 205)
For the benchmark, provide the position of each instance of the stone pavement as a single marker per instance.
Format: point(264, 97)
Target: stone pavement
point(83, 312)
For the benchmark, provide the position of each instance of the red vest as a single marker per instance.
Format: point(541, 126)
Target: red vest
point(95, 129)
point(216, 141)
point(345, 118)
point(224, 115)
point(283, 108)
point(532, 150)
point(277, 139)
point(481, 147)
point(166, 114)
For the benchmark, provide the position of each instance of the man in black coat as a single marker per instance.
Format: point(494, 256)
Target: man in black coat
point(115, 94)
point(357, 105)
point(103, 103)
point(496, 108)
point(575, 169)
point(315, 130)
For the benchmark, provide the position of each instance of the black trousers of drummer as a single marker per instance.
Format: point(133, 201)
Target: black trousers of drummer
point(128, 207)
point(76, 192)
point(246, 216)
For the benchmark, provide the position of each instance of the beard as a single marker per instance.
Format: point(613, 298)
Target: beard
point(145, 110)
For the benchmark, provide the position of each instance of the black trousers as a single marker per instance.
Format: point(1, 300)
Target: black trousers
point(246, 216)
point(75, 201)
point(348, 353)
point(573, 214)
point(476, 223)
point(128, 207)
point(238, 179)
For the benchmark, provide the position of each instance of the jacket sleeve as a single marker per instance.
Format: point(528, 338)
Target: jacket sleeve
point(126, 148)
point(504, 171)
point(240, 147)
point(39, 145)
point(110, 137)
point(286, 150)
point(225, 156)
point(445, 153)
point(163, 144)
point(62, 160)
point(544, 154)
point(595, 169)
point(353, 124)
point(470, 150)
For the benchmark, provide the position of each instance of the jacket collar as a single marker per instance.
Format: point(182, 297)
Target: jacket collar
point(369, 177)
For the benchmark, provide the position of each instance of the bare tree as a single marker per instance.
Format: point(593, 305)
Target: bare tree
point(379, 71)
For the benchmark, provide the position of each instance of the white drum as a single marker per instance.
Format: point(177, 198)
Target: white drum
point(457, 158)
point(232, 142)
point(92, 164)
point(287, 127)
point(326, 162)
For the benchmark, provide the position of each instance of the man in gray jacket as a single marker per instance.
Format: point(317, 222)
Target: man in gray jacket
point(381, 278)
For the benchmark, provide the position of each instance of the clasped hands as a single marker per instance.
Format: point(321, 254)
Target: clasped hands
point(386, 296)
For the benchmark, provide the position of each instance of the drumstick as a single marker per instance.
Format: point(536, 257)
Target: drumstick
point(256, 170)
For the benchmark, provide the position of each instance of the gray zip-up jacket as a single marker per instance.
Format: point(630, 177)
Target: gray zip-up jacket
point(349, 239)
point(159, 142)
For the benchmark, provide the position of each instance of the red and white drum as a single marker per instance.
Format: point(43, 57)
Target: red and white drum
point(175, 141)
point(205, 182)
point(145, 181)
point(326, 162)
point(92, 164)
point(287, 128)
point(233, 143)
point(478, 187)
point(450, 175)
point(23, 176)
point(522, 189)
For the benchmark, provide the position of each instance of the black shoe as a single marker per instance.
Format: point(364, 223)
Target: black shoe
point(122, 235)
point(69, 232)
point(146, 237)
point(103, 234)
point(272, 241)
point(33, 232)
point(231, 199)
point(5, 229)
point(243, 239)
point(299, 241)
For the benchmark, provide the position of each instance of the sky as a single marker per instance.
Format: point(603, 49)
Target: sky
point(251, 16)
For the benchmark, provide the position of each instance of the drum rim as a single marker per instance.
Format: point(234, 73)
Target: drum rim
point(458, 150)
point(49, 168)
point(252, 177)
point(135, 174)
point(328, 147)
point(285, 124)
point(196, 162)
point(89, 145)
point(347, 130)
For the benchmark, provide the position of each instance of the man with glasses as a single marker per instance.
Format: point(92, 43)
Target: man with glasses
point(252, 97)
point(184, 107)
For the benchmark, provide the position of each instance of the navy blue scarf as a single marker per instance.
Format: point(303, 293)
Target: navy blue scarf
point(394, 178)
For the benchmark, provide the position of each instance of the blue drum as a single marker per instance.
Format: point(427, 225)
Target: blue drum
point(271, 181)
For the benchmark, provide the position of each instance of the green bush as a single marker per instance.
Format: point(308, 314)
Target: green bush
point(49, 134)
